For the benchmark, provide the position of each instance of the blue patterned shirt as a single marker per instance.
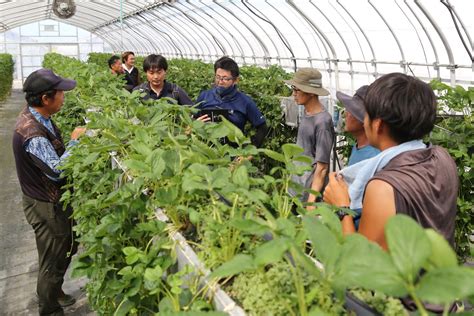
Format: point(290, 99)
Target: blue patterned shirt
point(42, 148)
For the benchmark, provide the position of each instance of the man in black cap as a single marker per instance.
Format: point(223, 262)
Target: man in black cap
point(354, 124)
point(39, 150)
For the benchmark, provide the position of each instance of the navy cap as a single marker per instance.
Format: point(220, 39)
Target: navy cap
point(44, 79)
point(354, 104)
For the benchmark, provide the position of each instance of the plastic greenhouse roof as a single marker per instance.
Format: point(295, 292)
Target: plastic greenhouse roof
point(351, 41)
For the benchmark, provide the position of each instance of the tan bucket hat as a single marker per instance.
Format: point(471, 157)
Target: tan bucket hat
point(308, 80)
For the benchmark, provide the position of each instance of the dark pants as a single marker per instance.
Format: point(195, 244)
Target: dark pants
point(54, 241)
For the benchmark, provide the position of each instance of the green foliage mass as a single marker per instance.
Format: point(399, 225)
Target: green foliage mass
point(418, 263)
point(272, 292)
point(6, 75)
point(456, 134)
point(264, 85)
point(385, 305)
point(93, 87)
point(127, 255)
point(229, 208)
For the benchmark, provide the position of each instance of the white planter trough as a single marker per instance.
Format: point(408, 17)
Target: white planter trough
point(187, 256)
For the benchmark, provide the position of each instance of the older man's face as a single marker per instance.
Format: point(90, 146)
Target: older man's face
point(352, 124)
point(117, 66)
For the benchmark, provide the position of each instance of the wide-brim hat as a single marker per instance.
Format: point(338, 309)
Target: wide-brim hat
point(355, 104)
point(44, 79)
point(308, 80)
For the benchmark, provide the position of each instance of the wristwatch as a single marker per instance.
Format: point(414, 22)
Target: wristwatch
point(341, 214)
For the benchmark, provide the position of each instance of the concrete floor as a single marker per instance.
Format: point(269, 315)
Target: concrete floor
point(18, 256)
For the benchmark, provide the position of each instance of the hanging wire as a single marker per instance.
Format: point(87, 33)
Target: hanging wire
point(276, 30)
point(195, 21)
point(355, 35)
point(419, 39)
point(450, 9)
point(121, 24)
point(409, 67)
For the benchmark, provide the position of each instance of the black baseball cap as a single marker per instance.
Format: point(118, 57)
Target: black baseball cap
point(354, 104)
point(44, 79)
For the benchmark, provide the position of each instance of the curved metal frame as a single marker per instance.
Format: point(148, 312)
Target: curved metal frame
point(168, 41)
point(232, 36)
point(462, 24)
point(225, 34)
point(402, 53)
point(293, 26)
point(191, 29)
point(349, 60)
point(325, 41)
point(182, 40)
point(417, 35)
point(266, 53)
point(116, 32)
point(374, 59)
point(452, 66)
point(201, 40)
point(213, 38)
point(358, 43)
point(281, 37)
point(206, 16)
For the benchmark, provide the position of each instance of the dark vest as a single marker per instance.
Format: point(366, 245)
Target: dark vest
point(34, 183)
point(425, 184)
point(132, 78)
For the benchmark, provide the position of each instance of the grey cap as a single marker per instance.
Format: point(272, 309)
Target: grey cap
point(354, 104)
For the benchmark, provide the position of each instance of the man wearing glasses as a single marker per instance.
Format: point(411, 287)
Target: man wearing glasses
point(226, 95)
point(315, 132)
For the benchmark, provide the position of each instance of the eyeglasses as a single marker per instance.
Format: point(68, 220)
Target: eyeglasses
point(295, 89)
point(226, 79)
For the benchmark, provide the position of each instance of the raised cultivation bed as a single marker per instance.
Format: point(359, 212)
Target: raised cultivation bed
point(186, 256)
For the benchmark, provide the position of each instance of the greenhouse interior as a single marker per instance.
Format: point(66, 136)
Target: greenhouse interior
point(225, 157)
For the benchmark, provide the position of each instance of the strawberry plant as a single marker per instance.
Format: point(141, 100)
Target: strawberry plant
point(264, 85)
point(456, 134)
point(419, 262)
point(272, 291)
point(236, 215)
point(127, 253)
point(6, 75)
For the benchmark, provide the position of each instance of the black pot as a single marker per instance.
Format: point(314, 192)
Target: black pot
point(359, 307)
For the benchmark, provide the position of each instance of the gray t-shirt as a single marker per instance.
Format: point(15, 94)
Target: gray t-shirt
point(316, 137)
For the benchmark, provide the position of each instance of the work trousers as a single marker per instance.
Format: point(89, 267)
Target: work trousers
point(56, 245)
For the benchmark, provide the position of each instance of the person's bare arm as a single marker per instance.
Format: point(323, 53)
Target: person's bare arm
point(378, 207)
point(337, 193)
point(318, 179)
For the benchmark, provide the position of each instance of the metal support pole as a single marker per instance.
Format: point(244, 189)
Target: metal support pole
point(121, 24)
point(452, 67)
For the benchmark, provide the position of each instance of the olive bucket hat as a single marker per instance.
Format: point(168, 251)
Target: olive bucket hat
point(308, 80)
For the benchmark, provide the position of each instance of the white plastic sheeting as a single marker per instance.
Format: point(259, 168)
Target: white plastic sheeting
point(351, 41)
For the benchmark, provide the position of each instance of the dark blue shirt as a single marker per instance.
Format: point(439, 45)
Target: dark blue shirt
point(169, 90)
point(363, 153)
point(243, 107)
